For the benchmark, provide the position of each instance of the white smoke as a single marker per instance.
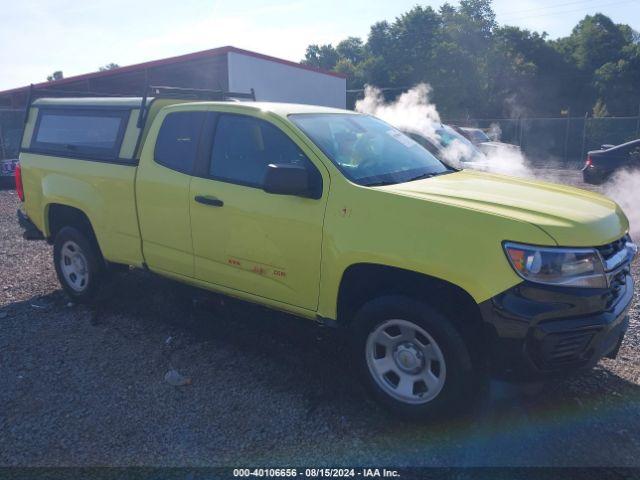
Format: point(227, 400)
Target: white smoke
point(455, 152)
point(623, 187)
point(412, 111)
point(508, 161)
point(495, 132)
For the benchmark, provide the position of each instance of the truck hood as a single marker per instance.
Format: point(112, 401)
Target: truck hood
point(572, 217)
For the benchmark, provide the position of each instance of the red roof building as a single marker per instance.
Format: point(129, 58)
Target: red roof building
point(225, 68)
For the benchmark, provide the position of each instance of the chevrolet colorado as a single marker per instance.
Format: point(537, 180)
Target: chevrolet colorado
point(439, 275)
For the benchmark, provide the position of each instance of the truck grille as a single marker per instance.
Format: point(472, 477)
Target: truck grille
point(617, 276)
point(610, 249)
point(617, 284)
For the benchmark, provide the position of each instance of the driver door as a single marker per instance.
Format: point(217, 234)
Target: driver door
point(248, 240)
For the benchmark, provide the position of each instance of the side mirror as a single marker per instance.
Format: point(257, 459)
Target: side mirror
point(286, 179)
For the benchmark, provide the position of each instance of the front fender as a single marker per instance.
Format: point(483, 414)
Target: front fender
point(458, 245)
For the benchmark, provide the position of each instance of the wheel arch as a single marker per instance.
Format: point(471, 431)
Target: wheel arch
point(362, 282)
point(57, 216)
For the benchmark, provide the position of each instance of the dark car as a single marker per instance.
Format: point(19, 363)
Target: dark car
point(601, 164)
point(7, 169)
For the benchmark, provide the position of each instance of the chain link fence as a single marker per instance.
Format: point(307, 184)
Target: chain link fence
point(564, 141)
point(11, 125)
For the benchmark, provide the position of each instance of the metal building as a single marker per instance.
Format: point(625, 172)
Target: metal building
point(225, 68)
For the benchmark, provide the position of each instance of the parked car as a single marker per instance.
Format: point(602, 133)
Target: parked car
point(339, 218)
point(601, 164)
point(480, 139)
point(7, 171)
point(451, 148)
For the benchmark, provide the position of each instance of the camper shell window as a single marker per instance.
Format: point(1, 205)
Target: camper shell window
point(87, 133)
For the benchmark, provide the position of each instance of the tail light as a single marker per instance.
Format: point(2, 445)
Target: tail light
point(19, 187)
point(588, 162)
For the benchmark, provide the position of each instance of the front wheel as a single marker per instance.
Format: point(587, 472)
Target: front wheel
point(411, 357)
point(78, 264)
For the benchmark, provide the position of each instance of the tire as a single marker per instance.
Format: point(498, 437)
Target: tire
point(79, 265)
point(429, 367)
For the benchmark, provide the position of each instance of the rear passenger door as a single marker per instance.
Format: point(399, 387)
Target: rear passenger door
point(162, 191)
point(249, 240)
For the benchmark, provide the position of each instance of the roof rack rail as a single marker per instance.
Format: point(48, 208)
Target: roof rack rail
point(36, 93)
point(159, 91)
point(149, 90)
point(199, 93)
point(156, 91)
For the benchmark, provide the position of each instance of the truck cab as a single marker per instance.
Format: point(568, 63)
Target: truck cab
point(439, 275)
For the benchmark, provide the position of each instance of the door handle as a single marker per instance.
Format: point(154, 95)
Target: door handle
point(211, 201)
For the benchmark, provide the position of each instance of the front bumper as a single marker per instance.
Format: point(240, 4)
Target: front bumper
point(538, 331)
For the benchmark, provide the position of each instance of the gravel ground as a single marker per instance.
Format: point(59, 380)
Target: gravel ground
point(84, 386)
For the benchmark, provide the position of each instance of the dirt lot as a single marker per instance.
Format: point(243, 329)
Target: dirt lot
point(85, 386)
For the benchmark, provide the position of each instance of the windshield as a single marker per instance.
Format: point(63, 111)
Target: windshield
point(367, 150)
point(477, 135)
point(457, 145)
point(448, 135)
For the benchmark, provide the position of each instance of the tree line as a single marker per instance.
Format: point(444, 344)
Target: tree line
point(481, 69)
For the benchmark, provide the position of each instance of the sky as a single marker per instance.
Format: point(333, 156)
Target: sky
point(78, 36)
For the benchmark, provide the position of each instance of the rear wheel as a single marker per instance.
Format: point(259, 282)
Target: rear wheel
point(411, 357)
point(78, 264)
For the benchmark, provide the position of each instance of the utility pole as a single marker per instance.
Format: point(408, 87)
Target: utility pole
point(3, 153)
point(584, 134)
point(566, 135)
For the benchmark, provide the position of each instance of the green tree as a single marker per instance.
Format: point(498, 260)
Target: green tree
point(618, 82)
point(479, 68)
point(595, 41)
point(321, 56)
point(351, 49)
point(57, 75)
point(108, 66)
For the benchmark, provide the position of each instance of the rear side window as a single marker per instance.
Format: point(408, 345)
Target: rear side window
point(177, 143)
point(243, 147)
point(80, 132)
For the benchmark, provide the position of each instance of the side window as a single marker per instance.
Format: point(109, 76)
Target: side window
point(243, 146)
point(80, 132)
point(177, 143)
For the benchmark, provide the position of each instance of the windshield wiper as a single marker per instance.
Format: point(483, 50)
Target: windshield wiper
point(380, 184)
point(429, 175)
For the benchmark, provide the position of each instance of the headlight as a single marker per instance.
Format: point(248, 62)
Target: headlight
point(571, 267)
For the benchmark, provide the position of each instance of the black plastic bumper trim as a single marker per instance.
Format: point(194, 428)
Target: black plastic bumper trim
point(539, 331)
point(30, 231)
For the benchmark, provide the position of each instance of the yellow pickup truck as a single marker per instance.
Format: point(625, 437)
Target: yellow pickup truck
point(440, 276)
